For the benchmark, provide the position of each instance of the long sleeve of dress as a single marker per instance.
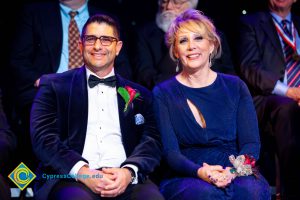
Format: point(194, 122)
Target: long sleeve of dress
point(172, 153)
point(247, 127)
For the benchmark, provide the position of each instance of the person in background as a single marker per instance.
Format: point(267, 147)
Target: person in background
point(7, 146)
point(151, 59)
point(107, 139)
point(269, 62)
point(41, 47)
point(207, 121)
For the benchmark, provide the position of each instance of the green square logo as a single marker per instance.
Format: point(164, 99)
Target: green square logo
point(21, 176)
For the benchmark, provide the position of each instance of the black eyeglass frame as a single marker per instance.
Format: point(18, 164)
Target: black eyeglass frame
point(104, 40)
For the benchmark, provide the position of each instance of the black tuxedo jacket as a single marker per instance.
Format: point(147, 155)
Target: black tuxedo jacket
point(261, 59)
point(59, 122)
point(37, 48)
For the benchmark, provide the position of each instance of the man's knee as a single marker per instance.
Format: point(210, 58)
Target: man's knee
point(72, 191)
point(146, 191)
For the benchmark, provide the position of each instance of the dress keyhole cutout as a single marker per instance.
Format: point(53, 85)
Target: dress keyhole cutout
point(197, 114)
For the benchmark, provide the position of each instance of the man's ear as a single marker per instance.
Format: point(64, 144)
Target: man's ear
point(118, 47)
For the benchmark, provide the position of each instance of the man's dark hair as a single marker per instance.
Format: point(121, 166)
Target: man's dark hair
point(102, 18)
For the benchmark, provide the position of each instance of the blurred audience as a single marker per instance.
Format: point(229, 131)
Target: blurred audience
point(269, 61)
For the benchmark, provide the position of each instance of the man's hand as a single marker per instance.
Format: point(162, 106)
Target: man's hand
point(294, 93)
point(121, 181)
point(89, 177)
point(37, 83)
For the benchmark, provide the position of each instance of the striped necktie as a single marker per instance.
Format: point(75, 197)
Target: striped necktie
point(75, 57)
point(292, 65)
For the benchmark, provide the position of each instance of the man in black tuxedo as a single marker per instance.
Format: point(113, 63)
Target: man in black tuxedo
point(263, 65)
point(152, 61)
point(41, 47)
point(7, 146)
point(90, 122)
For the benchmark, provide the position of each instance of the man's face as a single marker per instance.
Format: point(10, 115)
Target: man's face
point(169, 10)
point(99, 54)
point(281, 5)
point(71, 3)
point(175, 6)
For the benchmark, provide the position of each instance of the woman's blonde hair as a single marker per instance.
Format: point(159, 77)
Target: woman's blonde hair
point(195, 21)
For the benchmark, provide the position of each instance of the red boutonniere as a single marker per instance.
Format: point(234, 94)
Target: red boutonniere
point(128, 94)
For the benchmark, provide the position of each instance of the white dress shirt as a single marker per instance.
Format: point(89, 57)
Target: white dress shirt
point(103, 145)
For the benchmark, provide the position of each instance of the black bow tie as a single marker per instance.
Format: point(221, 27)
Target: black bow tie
point(110, 81)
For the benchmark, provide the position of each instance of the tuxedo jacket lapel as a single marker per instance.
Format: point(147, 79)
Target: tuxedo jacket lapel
point(125, 118)
point(78, 110)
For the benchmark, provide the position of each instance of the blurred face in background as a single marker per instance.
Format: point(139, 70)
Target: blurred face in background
point(170, 9)
point(74, 4)
point(281, 5)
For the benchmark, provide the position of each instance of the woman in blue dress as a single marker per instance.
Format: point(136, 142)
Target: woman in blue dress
point(204, 118)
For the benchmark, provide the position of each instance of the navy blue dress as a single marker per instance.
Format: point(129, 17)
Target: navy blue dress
point(231, 128)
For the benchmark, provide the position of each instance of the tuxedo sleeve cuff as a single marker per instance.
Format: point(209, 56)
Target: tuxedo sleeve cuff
point(135, 169)
point(76, 168)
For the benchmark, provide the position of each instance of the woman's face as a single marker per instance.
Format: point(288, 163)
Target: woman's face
point(192, 49)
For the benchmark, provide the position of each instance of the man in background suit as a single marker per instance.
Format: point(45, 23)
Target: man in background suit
point(41, 47)
point(7, 146)
point(89, 121)
point(152, 61)
point(264, 67)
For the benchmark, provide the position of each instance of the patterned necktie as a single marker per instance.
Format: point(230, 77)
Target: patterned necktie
point(292, 65)
point(284, 24)
point(75, 57)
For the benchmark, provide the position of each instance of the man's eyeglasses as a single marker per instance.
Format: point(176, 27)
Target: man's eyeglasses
point(175, 2)
point(104, 40)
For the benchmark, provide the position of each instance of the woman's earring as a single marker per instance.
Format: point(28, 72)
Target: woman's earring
point(209, 59)
point(177, 65)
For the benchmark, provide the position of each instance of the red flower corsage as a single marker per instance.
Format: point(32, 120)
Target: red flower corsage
point(243, 165)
